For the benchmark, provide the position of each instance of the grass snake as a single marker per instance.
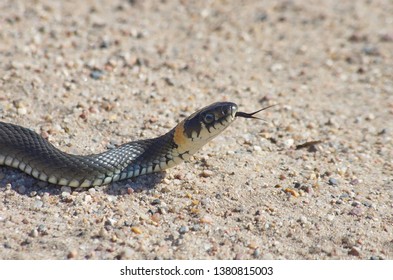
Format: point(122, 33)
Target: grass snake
point(24, 149)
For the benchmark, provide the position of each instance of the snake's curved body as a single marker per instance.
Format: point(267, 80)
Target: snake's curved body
point(24, 149)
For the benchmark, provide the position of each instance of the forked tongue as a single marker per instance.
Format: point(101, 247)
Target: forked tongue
point(251, 115)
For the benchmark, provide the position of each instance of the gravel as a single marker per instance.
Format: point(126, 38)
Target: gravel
point(311, 181)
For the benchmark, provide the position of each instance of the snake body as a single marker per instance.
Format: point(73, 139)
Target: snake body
point(24, 149)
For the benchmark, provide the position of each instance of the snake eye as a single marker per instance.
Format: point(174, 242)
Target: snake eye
point(208, 118)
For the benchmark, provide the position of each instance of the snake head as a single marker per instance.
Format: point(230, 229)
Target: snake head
point(203, 125)
point(210, 121)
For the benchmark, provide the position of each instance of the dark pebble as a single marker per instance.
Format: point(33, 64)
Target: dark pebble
point(367, 204)
point(238, 209)
point(127, 223)
point(307, 189)
point(104, 44)
point(333, 182)
point(355, 203)
point(96, 74)
point(156, 202)
point(383, 131)
point(297, 185)
point(42, 229)
point(354, 252)
point(344, 195)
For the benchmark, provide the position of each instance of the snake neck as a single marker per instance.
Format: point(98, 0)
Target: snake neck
point(157, 154)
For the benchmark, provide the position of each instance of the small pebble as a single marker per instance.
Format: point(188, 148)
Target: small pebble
point(65, 195)
point(238, 209)
point(38, 204)
point(356, 211)
point(183, 229)
point(87, 198)
point(155, 217)
point(354, 251)
point(22, 111)
point(92, 191)
point(257, 148)
point(292, 192)
point(303, 220)
point(333, 182)
point(253, 245)
point(356, 203)
point(156, 202)
point(111, 198)
point(111, 222)
point(42, 229)
point(136, 230)
point(72, 254)
point(330, 217)
point(33, 233)
point(354, 182)
point(206, 220)
point(103, 233)
point(165, 190)
point(207, 173)
point(289, 143)
point(96, 74)
point(195, 227)
point(162, 210)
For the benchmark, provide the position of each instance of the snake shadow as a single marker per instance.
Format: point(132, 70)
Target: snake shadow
point(13, 179)
point(136, 184)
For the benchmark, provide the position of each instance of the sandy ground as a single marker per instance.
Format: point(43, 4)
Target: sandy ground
point(89, 75)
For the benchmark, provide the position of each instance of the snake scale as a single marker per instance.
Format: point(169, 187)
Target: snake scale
point(24, 149)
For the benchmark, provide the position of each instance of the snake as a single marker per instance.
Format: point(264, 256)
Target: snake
point(24, 149)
